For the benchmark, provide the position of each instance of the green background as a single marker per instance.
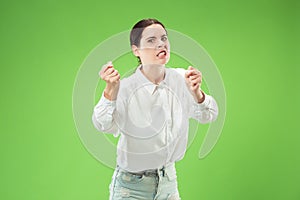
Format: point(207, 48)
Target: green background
point(255, 45)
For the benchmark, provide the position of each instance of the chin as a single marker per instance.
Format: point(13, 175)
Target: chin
point(164, 62)
point(157, 62)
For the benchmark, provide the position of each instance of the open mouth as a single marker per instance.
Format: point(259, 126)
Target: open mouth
point(162, 53)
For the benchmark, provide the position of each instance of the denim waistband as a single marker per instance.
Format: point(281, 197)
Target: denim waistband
point(151, 172)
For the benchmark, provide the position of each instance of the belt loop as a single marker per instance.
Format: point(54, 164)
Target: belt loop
point(163, 170)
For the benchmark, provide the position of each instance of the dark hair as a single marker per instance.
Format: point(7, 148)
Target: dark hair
point(137, 30)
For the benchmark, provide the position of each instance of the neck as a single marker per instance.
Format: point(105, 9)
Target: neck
point(154, 73)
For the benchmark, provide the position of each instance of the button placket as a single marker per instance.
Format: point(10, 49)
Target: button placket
point(168, 123)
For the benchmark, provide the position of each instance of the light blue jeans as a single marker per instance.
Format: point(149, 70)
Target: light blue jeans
point(158, 184)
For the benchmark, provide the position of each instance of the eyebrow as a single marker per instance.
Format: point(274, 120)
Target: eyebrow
point(153, 37)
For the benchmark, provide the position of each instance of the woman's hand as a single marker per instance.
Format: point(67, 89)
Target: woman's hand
point(193, 79)
point(112, 78)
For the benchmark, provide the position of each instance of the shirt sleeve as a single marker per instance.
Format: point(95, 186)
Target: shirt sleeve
point(204, 112)
point(103, 116)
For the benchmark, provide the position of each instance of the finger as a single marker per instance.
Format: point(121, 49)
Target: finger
point(191, 83)
point(192, 72)
point(107, 66)
point(109, 71)
point(196, 72)
point(190, 68)
point(187, 80)
point(115, 78)
point(195, 87)
point(188, 73)
point(196, 81)
point(104, 69)
point(193, 77)
point(113, 74)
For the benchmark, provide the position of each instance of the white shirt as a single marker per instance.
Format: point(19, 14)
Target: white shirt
point(152, 120)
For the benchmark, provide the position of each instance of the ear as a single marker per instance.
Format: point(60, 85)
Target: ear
point(135, 50)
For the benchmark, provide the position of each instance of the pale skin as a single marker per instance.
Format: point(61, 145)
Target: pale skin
point(154, 52)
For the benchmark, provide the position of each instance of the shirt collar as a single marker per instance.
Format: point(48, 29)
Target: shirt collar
point(149, 86)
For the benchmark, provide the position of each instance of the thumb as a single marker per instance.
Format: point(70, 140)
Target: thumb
point(190, 68)
point(109, 63)
point(188, 72)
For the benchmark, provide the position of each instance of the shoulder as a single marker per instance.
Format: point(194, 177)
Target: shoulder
point(127, 84)
point(176, 80)
point(176, 73)
point(128, 80)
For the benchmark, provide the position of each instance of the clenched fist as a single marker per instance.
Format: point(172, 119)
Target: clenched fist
point(112, 78)
point(193, 79)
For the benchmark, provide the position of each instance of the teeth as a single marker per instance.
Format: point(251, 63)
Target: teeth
point(162, 52)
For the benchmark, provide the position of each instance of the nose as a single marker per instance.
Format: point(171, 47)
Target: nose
point(161, 44)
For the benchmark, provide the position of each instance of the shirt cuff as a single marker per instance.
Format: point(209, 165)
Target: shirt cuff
point(204, 104)
point(107, 103)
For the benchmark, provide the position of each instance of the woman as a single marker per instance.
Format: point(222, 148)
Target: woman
point(150, 110)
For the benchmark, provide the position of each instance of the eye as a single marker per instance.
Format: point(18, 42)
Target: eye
point(151, 40)
point(164, 38)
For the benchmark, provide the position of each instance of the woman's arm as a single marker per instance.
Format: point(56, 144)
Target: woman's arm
point(204, 112)
point(103, 112)
point(204, 107)
point(103, 116)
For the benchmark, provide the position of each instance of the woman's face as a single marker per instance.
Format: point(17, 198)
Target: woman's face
point(154, 46)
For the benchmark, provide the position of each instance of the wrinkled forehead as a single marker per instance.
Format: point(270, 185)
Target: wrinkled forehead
point(154, 30)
